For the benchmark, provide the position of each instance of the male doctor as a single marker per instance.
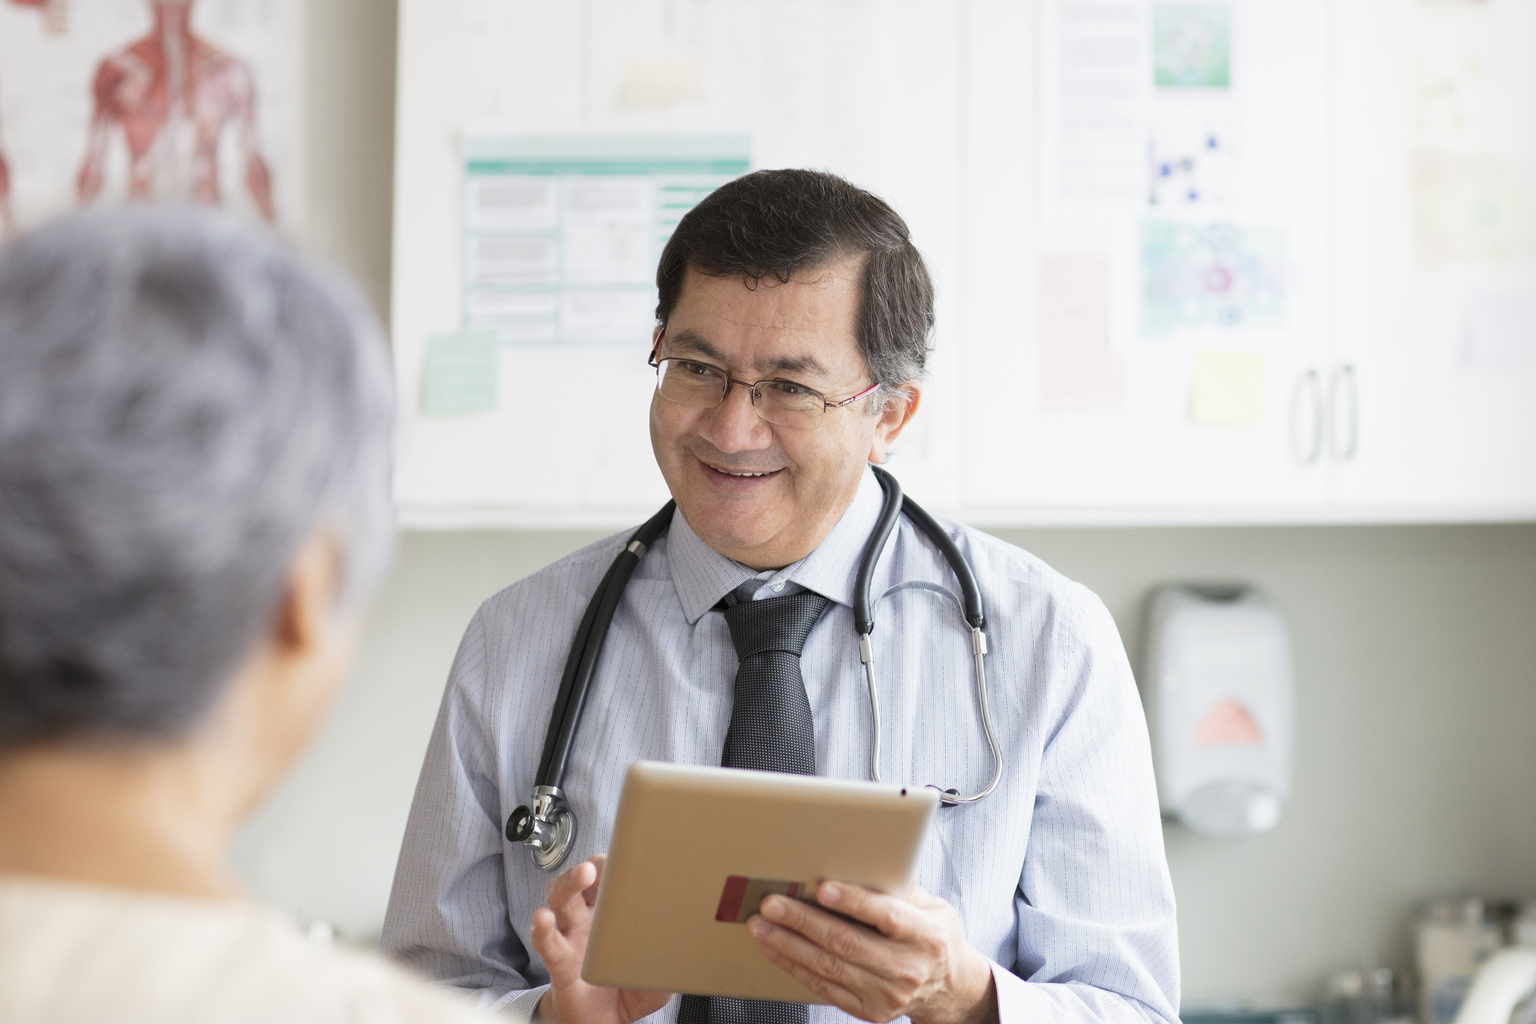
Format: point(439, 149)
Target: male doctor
point(792, 333)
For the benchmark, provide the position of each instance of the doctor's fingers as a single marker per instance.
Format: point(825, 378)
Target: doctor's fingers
point(847, 986)
point(571, 894)
point(891, 916)
point(557, 952)
point(597, 860)
point(580, 880)
point(854, 943)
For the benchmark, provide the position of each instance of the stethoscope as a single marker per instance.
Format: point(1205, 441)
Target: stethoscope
point(548, 826)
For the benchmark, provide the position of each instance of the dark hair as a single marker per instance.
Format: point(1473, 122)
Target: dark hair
point(777, 223)
point(182, 403)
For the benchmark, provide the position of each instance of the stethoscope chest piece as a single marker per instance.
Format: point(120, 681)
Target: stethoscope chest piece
point(548, 828)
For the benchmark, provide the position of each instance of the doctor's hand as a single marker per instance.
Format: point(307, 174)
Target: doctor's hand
point(560, 932)
point(912, 958)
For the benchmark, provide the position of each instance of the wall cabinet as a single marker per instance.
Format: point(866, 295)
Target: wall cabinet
point(1435, 255)
point(1206, 261)
point(1402, 384)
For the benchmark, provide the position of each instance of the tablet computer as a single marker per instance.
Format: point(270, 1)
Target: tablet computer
point(696, 849)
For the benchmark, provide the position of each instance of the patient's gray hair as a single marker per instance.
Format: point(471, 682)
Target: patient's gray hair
point(182, 404)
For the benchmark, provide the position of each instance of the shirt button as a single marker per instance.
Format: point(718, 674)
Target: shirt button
point(778, 586)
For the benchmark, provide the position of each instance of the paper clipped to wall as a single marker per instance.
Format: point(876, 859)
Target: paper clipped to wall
point(462, 374)
point(1499, 331)
point(1228, 389)
point(1139, 108)
point(562, 234)
point(1211, 275)
point(1079, 370)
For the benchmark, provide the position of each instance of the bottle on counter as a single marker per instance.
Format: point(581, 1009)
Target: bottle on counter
point(1523, 932)
point(1389, 1000)
point(1454, 938)
point(1365, 996)
point(1343, 997)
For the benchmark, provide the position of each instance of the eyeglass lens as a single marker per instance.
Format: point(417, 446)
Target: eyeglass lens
point(702, 386)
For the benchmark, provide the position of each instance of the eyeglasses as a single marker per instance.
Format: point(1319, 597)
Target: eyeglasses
point(780, 402)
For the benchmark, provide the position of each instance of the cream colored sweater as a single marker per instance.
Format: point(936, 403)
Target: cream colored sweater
point(77, 954)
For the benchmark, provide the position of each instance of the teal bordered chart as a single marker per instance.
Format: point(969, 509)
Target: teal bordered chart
point(562, 233)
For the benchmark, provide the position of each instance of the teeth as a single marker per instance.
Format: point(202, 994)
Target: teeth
point(729, 473)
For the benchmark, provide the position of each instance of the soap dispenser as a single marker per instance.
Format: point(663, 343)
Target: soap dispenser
point(1217, 684)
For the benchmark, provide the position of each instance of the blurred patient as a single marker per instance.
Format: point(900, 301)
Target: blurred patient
point(194, 501)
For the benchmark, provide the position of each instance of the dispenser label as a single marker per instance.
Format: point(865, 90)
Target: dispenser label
point(1228, 724)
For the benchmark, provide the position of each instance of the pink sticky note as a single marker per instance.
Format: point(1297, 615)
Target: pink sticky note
point(1498, 331)
point(1079, 372)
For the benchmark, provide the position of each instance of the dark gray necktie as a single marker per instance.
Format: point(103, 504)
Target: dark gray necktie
point(771, 730)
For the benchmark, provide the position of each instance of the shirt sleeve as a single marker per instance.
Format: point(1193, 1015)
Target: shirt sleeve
point(447, 916)
point(1097, 939)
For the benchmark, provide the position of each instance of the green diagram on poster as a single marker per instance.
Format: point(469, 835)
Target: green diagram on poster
point(1192, 45)
point(1211, 275)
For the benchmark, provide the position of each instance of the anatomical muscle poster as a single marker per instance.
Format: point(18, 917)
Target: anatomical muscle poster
point(108, 101)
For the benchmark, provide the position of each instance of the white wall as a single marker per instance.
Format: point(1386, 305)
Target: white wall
point(1415, 654)
point(1415, 657)
point(1416, 770)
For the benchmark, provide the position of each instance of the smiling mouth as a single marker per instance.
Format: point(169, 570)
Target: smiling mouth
point(741, 474)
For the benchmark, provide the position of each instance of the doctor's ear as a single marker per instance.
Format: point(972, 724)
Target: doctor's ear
point(895, 412)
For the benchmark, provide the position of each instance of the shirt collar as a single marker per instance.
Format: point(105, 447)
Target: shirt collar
point(703, 576)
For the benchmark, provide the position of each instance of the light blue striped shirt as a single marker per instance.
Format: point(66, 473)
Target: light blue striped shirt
point(1059, 875)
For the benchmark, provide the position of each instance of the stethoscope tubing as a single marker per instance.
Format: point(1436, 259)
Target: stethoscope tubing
point(576, 681)
point(864, 621)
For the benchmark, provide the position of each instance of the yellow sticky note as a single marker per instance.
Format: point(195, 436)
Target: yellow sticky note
point(1228, 389)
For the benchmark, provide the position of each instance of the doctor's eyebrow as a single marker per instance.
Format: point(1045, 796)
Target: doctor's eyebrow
point(694, 343)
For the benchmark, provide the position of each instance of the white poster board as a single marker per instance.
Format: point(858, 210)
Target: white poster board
point(1176, 244)
point(543, 153)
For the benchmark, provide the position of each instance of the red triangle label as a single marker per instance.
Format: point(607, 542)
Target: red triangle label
point(1228, 724)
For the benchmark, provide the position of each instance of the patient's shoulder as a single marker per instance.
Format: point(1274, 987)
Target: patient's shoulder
point(82, 953)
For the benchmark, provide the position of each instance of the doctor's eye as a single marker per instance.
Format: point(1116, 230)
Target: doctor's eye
point(689, 374)
point(691, 369)
point(789, 389)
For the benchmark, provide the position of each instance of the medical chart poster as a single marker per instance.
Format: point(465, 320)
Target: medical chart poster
point(103, 101)
point(1140, 108)
point(562, 234)
point(812, 83)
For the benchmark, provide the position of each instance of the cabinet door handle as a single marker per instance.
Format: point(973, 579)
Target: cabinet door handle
point(1343, 414)
point(1307, 412)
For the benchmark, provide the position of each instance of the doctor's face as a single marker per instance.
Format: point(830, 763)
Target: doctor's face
point(762, 494)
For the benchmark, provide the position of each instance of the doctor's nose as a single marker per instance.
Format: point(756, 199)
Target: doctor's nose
point(734, 424)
